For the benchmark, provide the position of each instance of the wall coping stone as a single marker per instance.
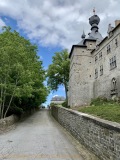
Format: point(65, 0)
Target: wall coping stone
point(104, 123)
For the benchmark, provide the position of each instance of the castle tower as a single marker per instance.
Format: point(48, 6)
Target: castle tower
point(94, 21)
point(81, 71)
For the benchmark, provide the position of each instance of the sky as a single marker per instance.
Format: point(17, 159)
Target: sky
point(55, 25)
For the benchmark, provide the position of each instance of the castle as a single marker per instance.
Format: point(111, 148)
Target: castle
point(95, 65)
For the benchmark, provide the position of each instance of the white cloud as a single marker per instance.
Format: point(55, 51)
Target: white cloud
point(41, 57)
point(2, 23)
point(59, 22)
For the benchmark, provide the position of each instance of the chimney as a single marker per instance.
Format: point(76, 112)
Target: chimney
point(117, 22)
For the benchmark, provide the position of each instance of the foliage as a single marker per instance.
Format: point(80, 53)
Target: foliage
point(55, 105)
point(99, 101)
point(21, 73)
point(16, 110)
point(52, 104)
point(58, 71)
point(65, 104)
point(103, 108)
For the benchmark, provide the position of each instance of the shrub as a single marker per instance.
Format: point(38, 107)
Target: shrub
point(15, 110)
point(52, 104)
point(102, 101)
point(65, 104)
point(99, 101)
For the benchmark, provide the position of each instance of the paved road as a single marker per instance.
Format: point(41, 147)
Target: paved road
point(39, 137)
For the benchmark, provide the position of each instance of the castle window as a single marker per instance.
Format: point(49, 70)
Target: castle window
point(90, 45)
point(100, 55)
point(96, 73)
point(108, 49)
point(116, 43)
point(96, 58)
point(101, 70)
point(113, 63)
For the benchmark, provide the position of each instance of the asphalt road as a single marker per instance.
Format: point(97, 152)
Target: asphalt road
point(39, 137)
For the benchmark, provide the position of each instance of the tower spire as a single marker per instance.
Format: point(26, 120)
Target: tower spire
point(94, 10)
point(83, 35)
point(94, 21)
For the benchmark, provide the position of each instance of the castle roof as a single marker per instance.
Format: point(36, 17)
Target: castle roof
point(106, 37)
point(58, 98)
point(93, 36)
point(78, 46)
point(94, 21)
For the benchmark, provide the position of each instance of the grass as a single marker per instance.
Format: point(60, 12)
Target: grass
point(104, 109)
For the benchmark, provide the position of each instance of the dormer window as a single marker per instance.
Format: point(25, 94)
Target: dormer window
point(108, 49)
point(90, 45)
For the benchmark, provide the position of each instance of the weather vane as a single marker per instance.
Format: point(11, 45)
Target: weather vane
point(94, 10)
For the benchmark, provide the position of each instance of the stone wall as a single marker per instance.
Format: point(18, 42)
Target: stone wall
point(102, 137)
point(80, 80)
point(83, 82)
point(103, 83)
point(8, 121)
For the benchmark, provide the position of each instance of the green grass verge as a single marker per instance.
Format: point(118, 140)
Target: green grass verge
point(107, 110)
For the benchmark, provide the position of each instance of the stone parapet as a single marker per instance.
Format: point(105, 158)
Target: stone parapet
point(8, 121)
point(100, 136)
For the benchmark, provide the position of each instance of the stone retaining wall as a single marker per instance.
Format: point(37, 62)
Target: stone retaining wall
point(8, 121)
point(100, 136)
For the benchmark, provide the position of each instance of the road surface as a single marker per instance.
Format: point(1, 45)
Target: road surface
point(39, 137)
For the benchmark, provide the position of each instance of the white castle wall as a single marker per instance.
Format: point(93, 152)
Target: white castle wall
point(82, 83)
point(102, 85)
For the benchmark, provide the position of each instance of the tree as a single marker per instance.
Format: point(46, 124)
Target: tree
point(21, 72)
point(58, 71)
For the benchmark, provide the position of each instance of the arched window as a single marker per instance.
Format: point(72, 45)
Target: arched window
point(114, 81)
point(114, 87)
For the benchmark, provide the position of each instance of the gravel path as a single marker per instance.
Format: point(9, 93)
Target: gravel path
point(39, 137)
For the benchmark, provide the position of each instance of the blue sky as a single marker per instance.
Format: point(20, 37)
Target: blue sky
point(45, 53)
point(56, 24)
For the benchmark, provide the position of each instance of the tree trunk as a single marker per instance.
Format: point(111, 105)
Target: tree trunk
point(11, 98)
point(9, 105)
point(1, 102)
point(66, 93)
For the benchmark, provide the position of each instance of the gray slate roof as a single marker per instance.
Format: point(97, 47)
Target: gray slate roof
point(58, 98)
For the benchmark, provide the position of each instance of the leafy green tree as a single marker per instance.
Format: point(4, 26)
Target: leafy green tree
point(58, 71)
point(21, 72)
